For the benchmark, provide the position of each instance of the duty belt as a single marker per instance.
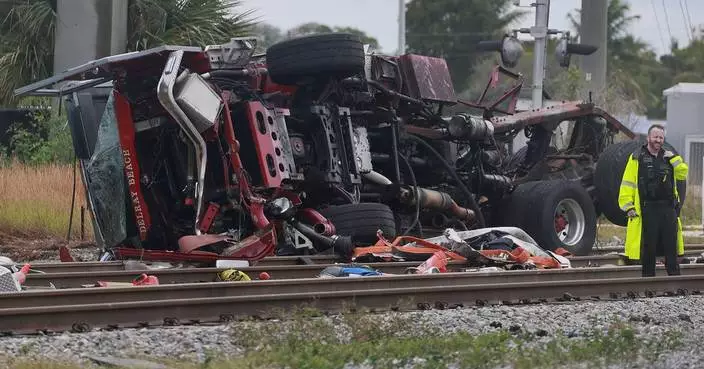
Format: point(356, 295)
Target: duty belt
point(658, 202)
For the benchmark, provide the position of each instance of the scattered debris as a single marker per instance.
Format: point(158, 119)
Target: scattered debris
point(233, 275)
point(348, 271)
point(11, 277)
point(141, 280)
point(146, 280)
point(502, 247)
point(435, 264)
point(8, 283)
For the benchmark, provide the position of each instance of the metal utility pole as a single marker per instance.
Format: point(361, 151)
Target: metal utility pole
point(87, 30)
point(76, 34)
point(593, 32)
point(401, 27)
point(118, 26)
point(540, 34)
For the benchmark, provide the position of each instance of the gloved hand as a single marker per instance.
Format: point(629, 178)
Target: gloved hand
point(632, 213)
point(668, 154)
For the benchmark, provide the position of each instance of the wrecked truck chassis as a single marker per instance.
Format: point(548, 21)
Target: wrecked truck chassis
point(195, 103)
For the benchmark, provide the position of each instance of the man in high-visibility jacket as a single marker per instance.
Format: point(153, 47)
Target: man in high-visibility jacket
point(649, 196)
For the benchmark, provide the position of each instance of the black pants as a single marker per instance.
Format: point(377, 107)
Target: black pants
point(659, 237)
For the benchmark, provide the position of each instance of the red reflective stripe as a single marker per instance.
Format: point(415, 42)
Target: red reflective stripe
point(125, 125)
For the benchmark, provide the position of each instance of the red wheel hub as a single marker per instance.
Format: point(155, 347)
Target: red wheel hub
point(560, 223)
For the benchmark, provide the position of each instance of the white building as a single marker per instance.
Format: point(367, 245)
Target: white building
point(685, 131)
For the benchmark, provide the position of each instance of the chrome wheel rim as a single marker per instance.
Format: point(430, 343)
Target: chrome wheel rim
point(570, 222)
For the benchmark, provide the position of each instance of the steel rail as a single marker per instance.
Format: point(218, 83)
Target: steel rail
point(693, 248)
point(284, 268)
point(89, 266)
point(171, 311)
point(222, 289)
point(83, 266)
point(195, 275)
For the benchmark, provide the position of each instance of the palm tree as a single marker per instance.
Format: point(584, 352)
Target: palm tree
point(184, 22)
point(27, 30)
point(26, 44)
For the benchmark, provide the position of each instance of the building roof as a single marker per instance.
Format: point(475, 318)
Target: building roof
point(686, 88)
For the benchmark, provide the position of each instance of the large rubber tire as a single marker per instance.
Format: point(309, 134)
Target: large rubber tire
point(361, 221)
point(532, 207)
point(320, 56)
point(608, 175)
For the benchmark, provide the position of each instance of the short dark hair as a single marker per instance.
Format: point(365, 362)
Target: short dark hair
point(656, 125)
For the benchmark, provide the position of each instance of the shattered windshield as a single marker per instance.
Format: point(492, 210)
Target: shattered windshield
point(105, 181)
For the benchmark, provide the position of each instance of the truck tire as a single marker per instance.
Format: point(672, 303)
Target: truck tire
point(321, 56)
point(608, 175)
point(361, 221)
point(561, 214)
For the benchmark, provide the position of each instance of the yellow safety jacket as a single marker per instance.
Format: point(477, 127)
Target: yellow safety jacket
point(628, 198)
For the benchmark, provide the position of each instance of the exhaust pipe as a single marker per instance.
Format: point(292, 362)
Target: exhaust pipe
point(431, 199)
point(165, 93)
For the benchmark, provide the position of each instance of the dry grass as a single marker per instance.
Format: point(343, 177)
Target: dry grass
point(36, 201)
point(692, 209)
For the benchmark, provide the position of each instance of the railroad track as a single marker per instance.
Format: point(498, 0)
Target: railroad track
point(84, 309)
point(279, 267)
point(92, 295)
point(692, 248)
point(198, 275)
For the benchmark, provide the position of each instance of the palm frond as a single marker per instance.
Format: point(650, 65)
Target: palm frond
point(185, 22)
point(27, 45)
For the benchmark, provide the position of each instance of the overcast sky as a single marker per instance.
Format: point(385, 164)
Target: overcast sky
point(379, 18)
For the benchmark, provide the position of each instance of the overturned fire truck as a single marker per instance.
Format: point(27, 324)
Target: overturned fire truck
point(315, 146)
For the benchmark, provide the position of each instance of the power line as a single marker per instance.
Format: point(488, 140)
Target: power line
point(657, 21)
point(667, 20)
point(687, 26)
point(689, 18)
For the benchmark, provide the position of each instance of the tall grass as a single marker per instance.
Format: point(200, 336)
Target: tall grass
point(691, 213)
point(36, 201)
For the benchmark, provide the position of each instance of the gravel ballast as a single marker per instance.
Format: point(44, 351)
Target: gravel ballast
point(650, 317)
